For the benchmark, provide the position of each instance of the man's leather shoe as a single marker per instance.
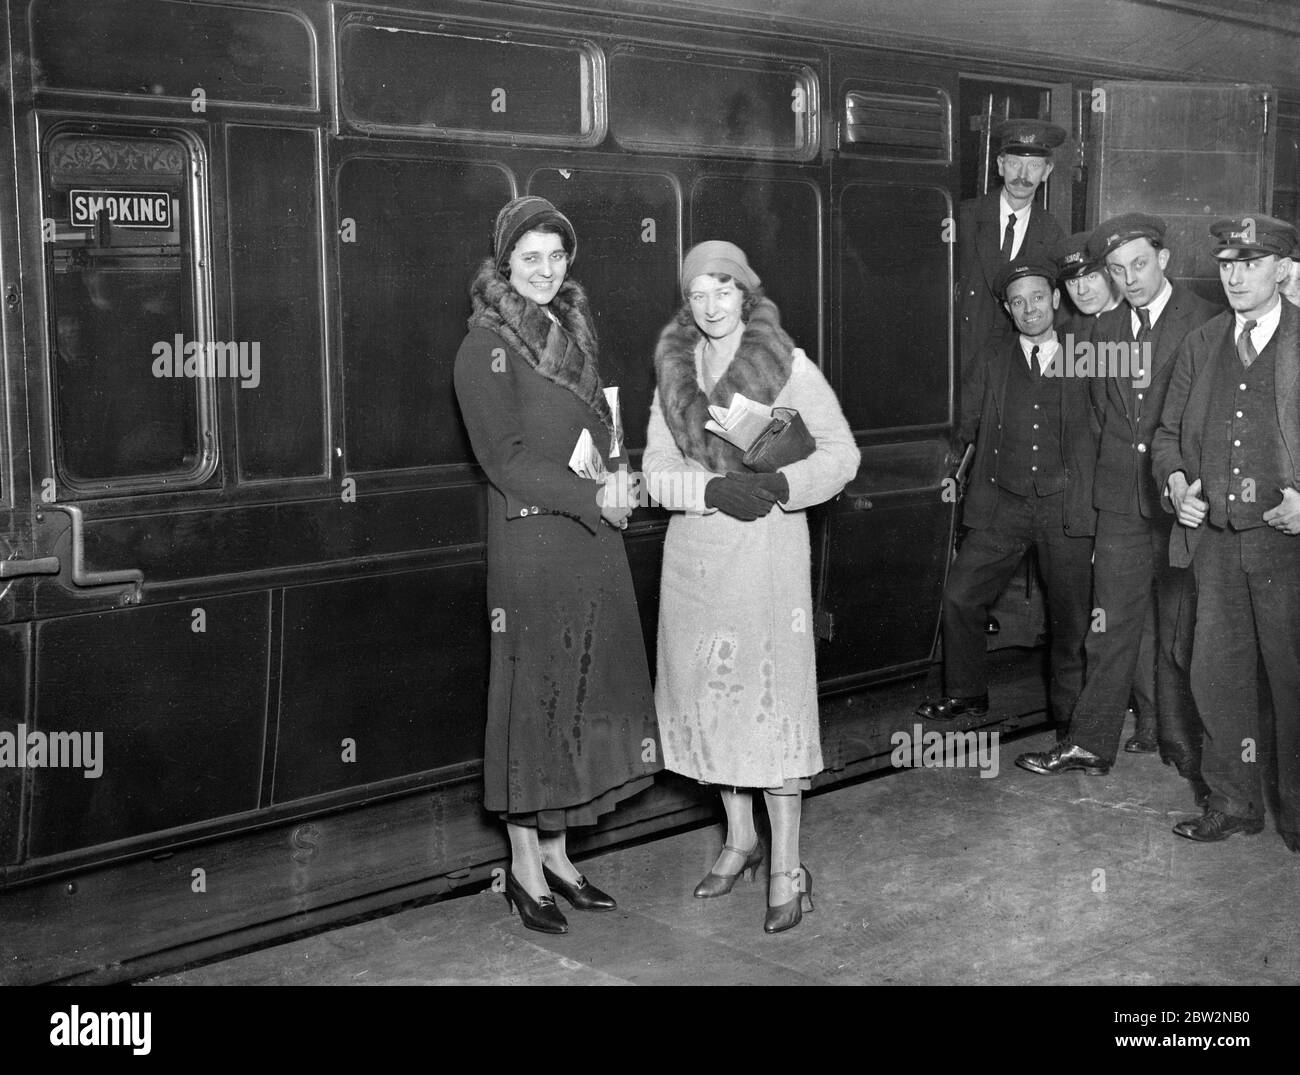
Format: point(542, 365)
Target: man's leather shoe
point(1063, 758)
point(948, 708)
point(1215, 825)
point(1143, 740)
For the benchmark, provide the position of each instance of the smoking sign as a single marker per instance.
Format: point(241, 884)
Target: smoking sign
point(125, 208)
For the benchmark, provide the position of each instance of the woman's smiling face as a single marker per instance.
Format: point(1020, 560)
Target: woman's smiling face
point(716, 305)
point(538, 265)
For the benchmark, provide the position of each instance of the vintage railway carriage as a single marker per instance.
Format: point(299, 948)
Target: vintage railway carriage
point(241, 534)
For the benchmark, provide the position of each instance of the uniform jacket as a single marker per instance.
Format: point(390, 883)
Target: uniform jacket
point(1078, 442)
point(979, 260)
point(1180, 440)
point(1124, 462)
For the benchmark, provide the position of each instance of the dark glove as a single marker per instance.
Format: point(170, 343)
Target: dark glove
point(735, 498)
point(773, 485)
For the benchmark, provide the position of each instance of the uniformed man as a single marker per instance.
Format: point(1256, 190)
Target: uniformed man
point(1227, 454)
point(1031, 484)
point(995, 228)
point(1136, 344)
point(1090, 288)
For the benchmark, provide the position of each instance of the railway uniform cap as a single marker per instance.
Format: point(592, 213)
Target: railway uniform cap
point(720, 257)
point(1027, 137)
point(1245, 238)
point(523, 215)
point(1120, 229)
point(1036, 266)
point(1072, 257)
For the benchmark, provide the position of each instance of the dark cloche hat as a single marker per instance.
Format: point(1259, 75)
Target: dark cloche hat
point(1121, 229)
point(1243, 238)
point(1035, 266)
point(522, 215)
point(1072, 257)
point(1027, 137)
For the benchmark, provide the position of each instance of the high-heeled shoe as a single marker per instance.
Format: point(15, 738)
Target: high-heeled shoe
point(541, 915)
point(719, 884)
point(790, 914)
point(584, 896)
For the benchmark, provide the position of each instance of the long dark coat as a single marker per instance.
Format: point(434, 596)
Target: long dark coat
point(571, 721)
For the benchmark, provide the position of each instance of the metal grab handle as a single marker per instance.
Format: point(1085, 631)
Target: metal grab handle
point(12, 569)
point(83, 578)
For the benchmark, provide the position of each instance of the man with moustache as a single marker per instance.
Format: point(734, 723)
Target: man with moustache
point(1227, 454)
point(991, 231)
point(1031, 484)
point(1131, 568)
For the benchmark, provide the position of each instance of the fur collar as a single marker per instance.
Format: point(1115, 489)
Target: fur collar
point(759, 370)
point(566, 358)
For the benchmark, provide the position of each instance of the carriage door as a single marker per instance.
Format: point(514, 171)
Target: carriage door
point(18, 559)
point(1187, 152)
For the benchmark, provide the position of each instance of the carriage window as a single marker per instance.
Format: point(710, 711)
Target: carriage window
point(777, 222)
point(898, 122)
point(161, 48)
point(895, 306)
point(627, 263)
point(473, 83)
point(132, 382)
point(720, 104)
point(419, 230)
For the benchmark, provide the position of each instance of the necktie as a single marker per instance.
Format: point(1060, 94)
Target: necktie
point(1009, 238)
point(1245, 348)
point(1144, 332)
point(1033, 361)
point(1144, 328)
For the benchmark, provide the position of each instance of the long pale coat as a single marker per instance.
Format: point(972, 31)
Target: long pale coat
point(736, 692)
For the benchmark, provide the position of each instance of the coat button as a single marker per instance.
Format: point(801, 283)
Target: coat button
point(523, 511)
point(533, 509)
point(1142, 447)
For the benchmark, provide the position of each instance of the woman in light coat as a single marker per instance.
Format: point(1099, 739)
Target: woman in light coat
point(736, 693)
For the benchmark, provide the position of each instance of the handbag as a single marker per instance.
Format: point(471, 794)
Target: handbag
point(786, 440)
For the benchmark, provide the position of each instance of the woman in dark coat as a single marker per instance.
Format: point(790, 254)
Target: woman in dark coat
point(571, 721)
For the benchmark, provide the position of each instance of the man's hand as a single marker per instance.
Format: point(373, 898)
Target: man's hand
point(1286, 516)
point(1186, 500)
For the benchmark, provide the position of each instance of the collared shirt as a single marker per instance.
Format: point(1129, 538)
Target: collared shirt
point(1264, 326)
point(1155, 308)
point(1046, 351)
point(1021, 226)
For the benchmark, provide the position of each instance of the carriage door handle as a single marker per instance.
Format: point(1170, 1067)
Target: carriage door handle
point(83, 579)
point(13, 568)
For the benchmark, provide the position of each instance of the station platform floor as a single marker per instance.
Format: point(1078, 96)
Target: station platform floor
point(926, 875)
